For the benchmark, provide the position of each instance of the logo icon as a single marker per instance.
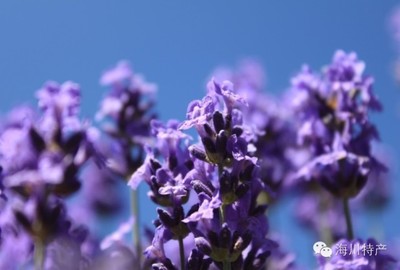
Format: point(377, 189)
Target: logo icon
point(321, 248)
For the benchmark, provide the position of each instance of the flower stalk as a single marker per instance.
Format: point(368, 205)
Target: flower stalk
point(349, 224)
point(39, 254)
point(181, 252)
point(135, 226)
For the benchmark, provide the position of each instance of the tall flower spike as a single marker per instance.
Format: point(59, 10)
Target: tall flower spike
point(266, 122)
point(42, 157)
point(125, 114)
point(332, 110)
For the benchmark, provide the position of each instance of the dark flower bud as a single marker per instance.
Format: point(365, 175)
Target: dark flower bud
point(189, 164)
point(178, 213)
point(203, 245)
point(259, 210)
point(196, 261)
point(199, 186)
point(193, 209)
point(69, 186)
point(166, 219)
point(221, 142)
point(241, 190)
point(237, 131)
point(205, 265)
point(246, 175)
point(213, 238)
point(210, 132)
point(157, 223)
point(166, 265)
point(23, 220)
point(225, 183)
point(36, 139)
point(159, 266)
point(198, 153)
point(218, 121)
point(260, 260)
point(209, 145)
point(225, 236)
point(155, 165)
point(71, 146)
point(228, 122)
point(172, 162)
point(153, 180)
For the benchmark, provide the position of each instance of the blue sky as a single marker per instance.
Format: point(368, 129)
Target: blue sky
point(178, 43)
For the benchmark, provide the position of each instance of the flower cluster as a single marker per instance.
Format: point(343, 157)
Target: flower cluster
point(269, 125)
point(42, 155)
point(60, 176)
point(224, 218)
point(332, 113)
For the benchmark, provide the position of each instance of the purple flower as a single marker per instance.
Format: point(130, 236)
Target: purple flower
point(144, 172)
point(265, 121)
point(342, 173)
point(199, 112)
point(16, 151)
point(60, 106)
point(126, 111)
point(121, 72)
point(226, 90)
point(205, 211)
point(332, 109)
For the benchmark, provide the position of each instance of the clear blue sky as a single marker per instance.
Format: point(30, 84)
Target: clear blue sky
point(178, 43)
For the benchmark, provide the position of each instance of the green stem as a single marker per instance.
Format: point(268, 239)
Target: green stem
point(182, 252)
point(39, 254)
point(226, 265)
point(347, 214)
point(136, 224)
point(222, 213)
point(324, 228)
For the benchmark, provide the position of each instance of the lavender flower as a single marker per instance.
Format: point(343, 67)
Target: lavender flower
point(332, 109)
point(125, 114)
point(42, 157)
point(54, 146)
point(127, 109)
point(221, 170)
point(267, 123)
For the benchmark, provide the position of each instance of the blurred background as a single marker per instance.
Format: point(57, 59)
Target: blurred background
point(177, 44)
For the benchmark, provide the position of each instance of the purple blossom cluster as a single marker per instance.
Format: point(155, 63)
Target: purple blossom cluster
point(61, 176)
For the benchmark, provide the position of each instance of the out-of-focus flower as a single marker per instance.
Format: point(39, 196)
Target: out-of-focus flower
point(332, 110)
point(126, 110)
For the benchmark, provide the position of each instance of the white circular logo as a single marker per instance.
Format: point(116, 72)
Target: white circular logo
point(318, 246)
